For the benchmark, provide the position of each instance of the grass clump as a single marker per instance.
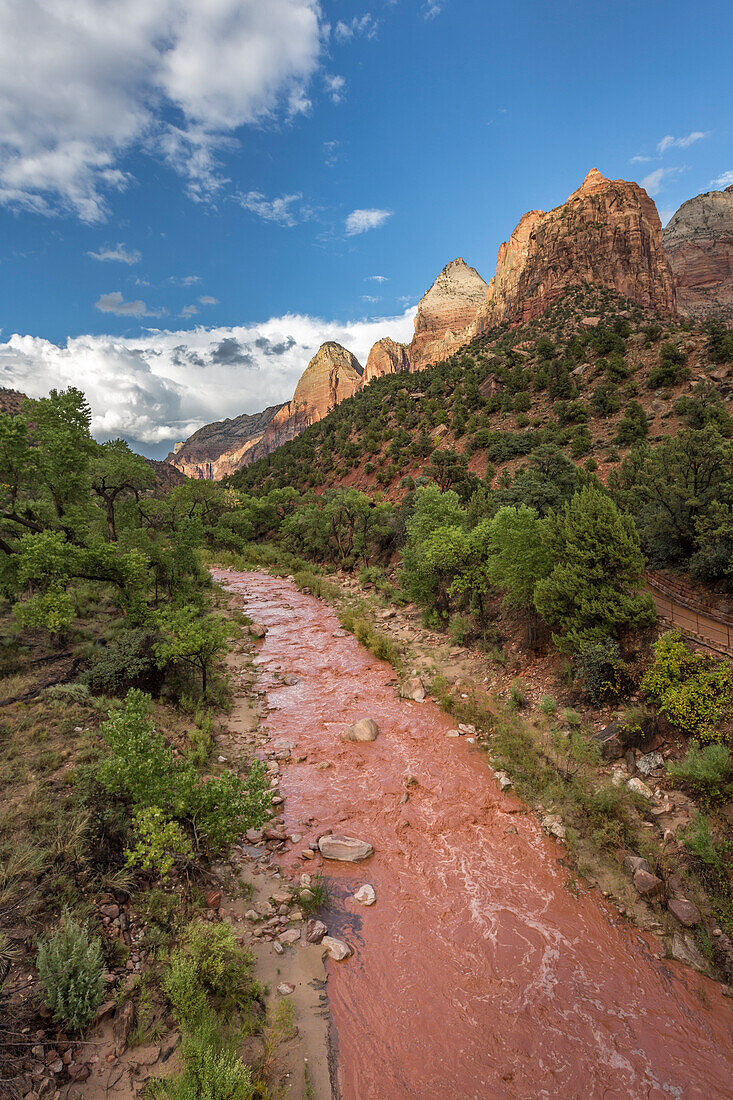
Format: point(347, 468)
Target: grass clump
point(70, 967)
point(383, 648)
point(706, 769)
point(214, 1001)
point(317, 896)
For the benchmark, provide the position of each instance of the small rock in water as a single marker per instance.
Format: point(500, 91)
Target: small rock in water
point(337, 949)
point(366, 894)
point(366, 729)
point(553, 825)
point(291, 680)
point(257, 630)
point(347, 849)
point(413, 689)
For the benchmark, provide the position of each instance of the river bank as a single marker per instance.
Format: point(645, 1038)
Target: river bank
point(475, 938)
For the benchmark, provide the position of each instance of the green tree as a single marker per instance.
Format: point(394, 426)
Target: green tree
point(192, 637)
point(117, 472)
point(592, 590)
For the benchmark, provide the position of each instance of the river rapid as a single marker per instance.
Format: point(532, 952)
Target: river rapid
point(478, 975)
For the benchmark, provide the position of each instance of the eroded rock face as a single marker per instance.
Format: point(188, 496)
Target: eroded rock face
point(221, 448)
point(607, 234)
point(698, 242)
point(386, 357)
point(332, 375)
point(446, 314)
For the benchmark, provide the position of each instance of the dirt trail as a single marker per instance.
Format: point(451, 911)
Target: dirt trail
point(477, 973)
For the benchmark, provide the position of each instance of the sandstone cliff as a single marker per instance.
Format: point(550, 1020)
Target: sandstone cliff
point(332, 375)
point(386, 357)
point(699, 245)
point(607, 234)
point(221, 448)
point(446, 314)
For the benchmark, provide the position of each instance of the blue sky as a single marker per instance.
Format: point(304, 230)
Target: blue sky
point(214, 170)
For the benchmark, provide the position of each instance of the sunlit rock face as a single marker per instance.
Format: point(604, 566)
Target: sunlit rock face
point(446, 314)
point(607, 234)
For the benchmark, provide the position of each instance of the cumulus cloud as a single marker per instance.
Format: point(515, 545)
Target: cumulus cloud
point(431, 8)
point(115, 303)
point(82, 84)
point(162, 386)
point(207, 300)
point(189, 311)
point(376, 279)
point(723, 181)
point(685, 142)
point(360, 221)
point(283, 210)
point(120, 255)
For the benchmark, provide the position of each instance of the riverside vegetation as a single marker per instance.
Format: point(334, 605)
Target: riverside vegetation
point(509, 545)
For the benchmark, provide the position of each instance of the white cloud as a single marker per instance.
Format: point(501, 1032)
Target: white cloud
point(723, 181)
point(431, 8)
point(370, 298)
point(164, 385)
point(83, 83)
point(189, 311)
point(685, 142)
point(652, 183)
point(119, 255)
point(207, 300)
point(115, 303)
point(365, 25)
point(330, 148)
point(335, 87)
point(360, 221)
point(281, 210)
point(376, 279)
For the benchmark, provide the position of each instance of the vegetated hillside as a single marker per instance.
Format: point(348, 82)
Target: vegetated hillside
point(593, 376)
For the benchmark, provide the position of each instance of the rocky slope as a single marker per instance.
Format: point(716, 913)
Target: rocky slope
point(607, 234)
point(386, 357)
point(219, 449)
point(698, 242)
point(446, 314)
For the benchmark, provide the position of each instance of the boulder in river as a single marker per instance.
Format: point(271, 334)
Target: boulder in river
point(366, 894)
point(366, 729)
point(347, 849)
point(413, 689)
point(337, 949)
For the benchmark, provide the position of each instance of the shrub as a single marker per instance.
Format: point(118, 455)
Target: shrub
point(671, 367)
point(125, 662)
point(548, 705)
point(517, 695)
point(142, 769)
point(705, 768)
point(70, 969)
point(711, 855)
point(211, 1072)
point(634, 425)
point(693, 690)
point(459, 629)
point(604, 673)
point(159, 843)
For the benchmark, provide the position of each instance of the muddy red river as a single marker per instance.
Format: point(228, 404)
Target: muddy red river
point(477, 974)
